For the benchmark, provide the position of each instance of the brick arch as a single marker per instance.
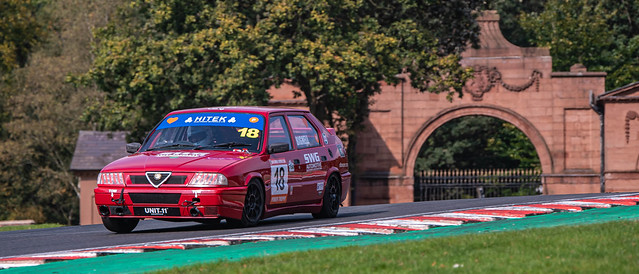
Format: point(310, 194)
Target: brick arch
point(416, 143)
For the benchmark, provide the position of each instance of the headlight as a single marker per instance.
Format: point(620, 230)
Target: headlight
point(208, 179)
point(110, 178)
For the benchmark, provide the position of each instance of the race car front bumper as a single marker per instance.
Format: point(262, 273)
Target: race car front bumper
point(173, 203)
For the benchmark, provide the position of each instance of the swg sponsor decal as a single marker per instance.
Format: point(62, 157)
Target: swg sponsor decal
point(311, 157)
point(279, 181)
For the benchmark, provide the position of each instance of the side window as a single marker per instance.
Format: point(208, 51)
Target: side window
point(304, 133)
point(278, 131)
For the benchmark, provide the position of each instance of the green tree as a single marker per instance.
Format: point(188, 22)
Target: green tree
point(509, 13)
point(576, 31)
point(21, 30)
point(43, 116)
point(602, 35)
point(161, 55)
point(477, 142)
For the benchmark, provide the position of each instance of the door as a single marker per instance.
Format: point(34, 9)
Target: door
point(283, 173)
point(312, 157)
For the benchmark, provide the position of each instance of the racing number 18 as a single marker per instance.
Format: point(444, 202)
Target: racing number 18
point(249, 132)
point(279, 178)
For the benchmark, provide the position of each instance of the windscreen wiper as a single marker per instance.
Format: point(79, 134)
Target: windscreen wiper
point(174, 145)
point(232, 144)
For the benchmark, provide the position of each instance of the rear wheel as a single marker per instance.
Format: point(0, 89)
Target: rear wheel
point(331, 200)
point(120, 225)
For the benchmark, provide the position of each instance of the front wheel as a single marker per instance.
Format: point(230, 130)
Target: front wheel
point(253, 206)
point(331, 200)
point(120, 225)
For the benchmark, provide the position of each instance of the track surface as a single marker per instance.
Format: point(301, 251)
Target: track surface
point(25, 242)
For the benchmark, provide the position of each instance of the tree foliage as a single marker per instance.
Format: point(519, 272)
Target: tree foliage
point(21, 30)
point(602, 35)
point(40, 130)
point(477, 142)
point(162, 55)
point(509, 13)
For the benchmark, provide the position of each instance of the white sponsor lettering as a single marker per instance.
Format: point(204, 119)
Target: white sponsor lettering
point(302, 140)
point(182, 154)
point(156, 210)
point(211, 119)
point(278, 161)
point(196, 192)
point(313, 166)
point(311, 157)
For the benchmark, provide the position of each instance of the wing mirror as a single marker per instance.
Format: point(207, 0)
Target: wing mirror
point(278, 147)
point(132, 147)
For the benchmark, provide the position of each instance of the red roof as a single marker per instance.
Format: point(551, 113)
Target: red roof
point(249, 109)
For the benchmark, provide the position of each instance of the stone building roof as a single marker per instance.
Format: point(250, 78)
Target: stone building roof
point(95, 149)
point(627, 93)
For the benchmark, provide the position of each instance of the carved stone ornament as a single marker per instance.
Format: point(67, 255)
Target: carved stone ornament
point(486, 78)
point(631, 115)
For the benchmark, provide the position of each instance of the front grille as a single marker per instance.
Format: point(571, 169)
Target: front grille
point(155, 198)
point(173, 180)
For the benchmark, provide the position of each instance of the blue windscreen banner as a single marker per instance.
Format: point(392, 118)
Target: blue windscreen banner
point(247, 120)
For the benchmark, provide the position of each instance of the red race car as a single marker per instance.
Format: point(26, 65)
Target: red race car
point(241, 164)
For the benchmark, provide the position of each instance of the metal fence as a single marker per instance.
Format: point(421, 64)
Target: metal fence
point(476, 183)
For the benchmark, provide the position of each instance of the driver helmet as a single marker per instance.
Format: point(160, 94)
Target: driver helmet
point(200, 135)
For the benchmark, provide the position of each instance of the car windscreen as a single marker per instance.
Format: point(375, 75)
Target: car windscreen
point(208, 131)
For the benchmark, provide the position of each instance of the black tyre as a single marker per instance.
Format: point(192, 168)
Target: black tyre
point(120, 225)
point(331, 200)
point(253, 205)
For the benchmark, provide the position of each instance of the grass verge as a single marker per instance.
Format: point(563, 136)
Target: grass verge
point(24, 227)
point(611, 247)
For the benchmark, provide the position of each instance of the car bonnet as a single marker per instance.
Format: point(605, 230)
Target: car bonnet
point(176, 161)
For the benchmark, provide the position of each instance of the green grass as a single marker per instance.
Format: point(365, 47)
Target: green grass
point(24, 227)
point(611, 247)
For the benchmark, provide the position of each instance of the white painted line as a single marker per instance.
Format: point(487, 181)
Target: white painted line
point(493, 216)
point(439, 222)
point(466, 216)
point(360, 230)
point(582, 204)
point(401, 223)
point(522, 208)
point(249, 238)
point(20, 264)
point(326, 231)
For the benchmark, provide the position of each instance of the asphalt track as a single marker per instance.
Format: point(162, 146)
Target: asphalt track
point(22, 243)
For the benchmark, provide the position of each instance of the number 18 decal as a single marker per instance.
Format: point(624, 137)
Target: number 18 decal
point(279, 183)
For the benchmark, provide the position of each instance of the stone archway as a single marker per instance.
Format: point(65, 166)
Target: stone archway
point(511, 83)
point(465, 110)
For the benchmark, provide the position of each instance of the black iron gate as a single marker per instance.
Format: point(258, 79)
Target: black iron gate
point(477, 183)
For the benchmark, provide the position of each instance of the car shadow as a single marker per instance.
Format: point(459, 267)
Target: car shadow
point(270, 223)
